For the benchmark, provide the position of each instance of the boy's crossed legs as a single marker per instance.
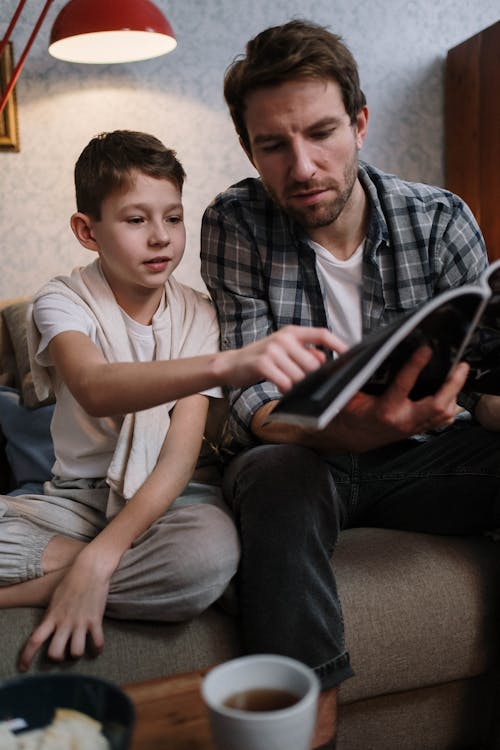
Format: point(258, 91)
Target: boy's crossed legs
point(174, 571)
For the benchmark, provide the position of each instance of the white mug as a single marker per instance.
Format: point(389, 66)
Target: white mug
point(263, 677)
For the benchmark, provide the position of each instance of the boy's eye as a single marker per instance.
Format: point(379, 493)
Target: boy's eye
point(135, 219)
point(174, 219)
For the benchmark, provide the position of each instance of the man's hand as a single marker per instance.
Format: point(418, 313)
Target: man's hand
point(369, 422)
point(76, 609)
point(284, 357)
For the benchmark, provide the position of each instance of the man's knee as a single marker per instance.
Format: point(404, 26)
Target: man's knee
point(280, 479)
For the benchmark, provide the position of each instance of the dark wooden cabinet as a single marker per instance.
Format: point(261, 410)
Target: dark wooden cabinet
point(472, 129)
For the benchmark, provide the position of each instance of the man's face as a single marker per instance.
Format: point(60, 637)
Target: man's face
point(305, 148)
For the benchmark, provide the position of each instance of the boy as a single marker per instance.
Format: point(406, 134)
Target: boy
point(120, 527)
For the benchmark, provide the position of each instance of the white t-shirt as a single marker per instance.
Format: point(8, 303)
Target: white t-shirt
point(84, 445)
point(341, 283)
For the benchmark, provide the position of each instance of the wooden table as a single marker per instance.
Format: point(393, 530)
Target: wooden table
point(170, 714)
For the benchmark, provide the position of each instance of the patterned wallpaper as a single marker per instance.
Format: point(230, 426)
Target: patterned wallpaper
point(400, 46)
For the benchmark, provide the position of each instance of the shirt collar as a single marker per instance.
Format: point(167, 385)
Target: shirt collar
point(377, 231)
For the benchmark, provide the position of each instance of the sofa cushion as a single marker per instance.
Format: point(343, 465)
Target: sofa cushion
point(15, 320)
point(133, 650)
point(28, 443)
point(419, 609)
point(455, 715)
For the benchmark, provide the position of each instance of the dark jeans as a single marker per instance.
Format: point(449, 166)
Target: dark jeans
point(290, 504)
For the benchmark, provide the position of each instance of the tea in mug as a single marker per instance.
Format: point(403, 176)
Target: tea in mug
point(262, 699)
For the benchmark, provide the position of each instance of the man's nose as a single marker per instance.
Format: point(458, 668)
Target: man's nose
point(302, 166)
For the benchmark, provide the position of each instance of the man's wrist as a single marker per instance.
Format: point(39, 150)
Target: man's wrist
point(469, 401)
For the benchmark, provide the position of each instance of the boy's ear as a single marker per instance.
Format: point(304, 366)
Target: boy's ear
point(81, 224)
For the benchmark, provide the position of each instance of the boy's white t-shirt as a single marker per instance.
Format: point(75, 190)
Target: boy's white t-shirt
point(84, 445)
point(341, 284)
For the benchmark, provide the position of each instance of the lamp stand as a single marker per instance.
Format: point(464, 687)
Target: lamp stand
point(3, 43)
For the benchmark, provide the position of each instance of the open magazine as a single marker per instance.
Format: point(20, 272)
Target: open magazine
point(460, 324)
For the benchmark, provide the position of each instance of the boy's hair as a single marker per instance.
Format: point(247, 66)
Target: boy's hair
point(107, 163)
point(297, 49)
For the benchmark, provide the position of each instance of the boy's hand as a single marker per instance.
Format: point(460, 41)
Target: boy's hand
point(284, 357)
point(76, 610)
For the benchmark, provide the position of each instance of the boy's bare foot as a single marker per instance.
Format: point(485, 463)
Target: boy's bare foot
point(57, 556)
point(60, 552)
point(36, 592)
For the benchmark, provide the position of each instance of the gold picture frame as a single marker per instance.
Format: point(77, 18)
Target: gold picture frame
point(9, 127)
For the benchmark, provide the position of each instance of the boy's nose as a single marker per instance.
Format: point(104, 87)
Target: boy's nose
point(159, 235)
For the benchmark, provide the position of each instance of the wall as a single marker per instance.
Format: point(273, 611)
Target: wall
point(400, 46)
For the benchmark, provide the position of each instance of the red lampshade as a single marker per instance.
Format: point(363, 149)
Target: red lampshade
point(108, 31)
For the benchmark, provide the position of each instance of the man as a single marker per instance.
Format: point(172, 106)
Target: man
point(323, 239)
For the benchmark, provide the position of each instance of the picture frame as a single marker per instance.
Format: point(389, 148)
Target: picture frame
point(9, 126)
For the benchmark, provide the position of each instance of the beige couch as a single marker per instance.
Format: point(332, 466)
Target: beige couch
point(422, 620)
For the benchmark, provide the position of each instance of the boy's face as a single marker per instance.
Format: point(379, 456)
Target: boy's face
point(141, 235)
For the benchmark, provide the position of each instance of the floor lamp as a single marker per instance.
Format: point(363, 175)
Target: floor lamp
point(97, 31)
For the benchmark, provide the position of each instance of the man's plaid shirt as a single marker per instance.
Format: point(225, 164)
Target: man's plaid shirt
point(260, 269)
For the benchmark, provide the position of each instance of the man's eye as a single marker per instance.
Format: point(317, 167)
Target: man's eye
point(271, 148)
point(320, 135)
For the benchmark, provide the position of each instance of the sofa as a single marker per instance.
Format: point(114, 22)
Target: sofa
point(422, 613)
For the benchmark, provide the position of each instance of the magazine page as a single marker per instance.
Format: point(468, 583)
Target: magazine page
point(491, 276)
point(309, 398)
point(483, 350)
point(443, 323)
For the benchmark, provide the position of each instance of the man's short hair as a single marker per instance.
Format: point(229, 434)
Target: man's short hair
point(106, 165)
point(297, 49)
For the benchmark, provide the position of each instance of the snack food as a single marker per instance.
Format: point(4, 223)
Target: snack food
point(69, 730)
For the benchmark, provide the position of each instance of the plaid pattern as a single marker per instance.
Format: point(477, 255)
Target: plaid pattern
point(260, 269)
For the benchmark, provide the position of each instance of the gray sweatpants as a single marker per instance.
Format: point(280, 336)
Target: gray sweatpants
point(172, 572)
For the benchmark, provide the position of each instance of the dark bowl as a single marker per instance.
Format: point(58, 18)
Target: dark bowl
point(34, 698)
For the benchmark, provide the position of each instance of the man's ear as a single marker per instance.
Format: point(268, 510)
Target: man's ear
point(361, 126)
point(81, 224)
point(247, 152)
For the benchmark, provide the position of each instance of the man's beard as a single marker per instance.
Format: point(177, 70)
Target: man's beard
point(320, 214)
